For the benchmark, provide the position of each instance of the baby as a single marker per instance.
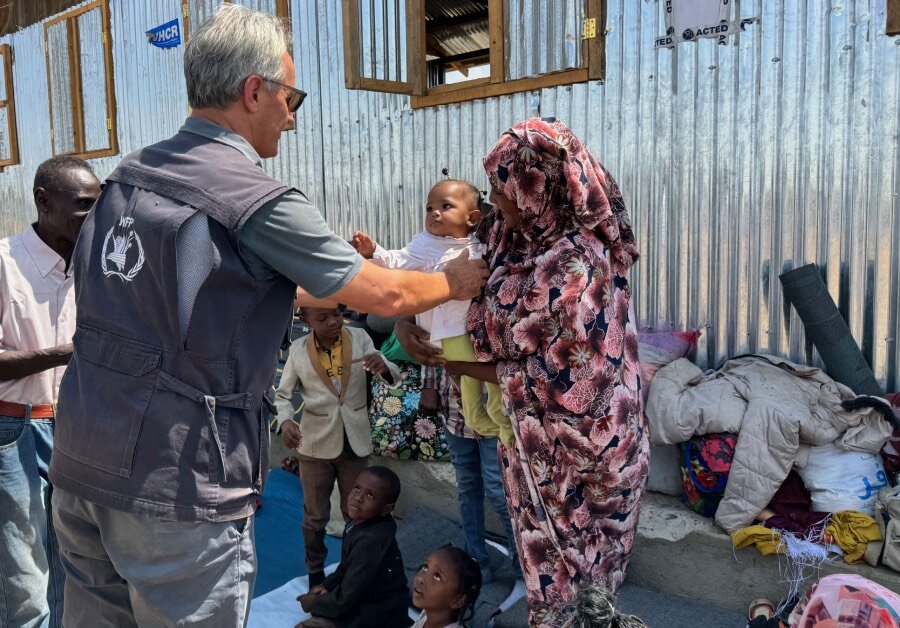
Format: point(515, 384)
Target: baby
point(451, 216)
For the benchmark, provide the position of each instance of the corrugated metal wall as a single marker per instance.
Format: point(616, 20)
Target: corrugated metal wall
point(738, 161)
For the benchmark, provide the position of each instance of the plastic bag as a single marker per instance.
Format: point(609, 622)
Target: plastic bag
point(838, 479)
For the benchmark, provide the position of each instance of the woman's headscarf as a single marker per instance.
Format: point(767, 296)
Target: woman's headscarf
point(572, 212)
point(559, 186)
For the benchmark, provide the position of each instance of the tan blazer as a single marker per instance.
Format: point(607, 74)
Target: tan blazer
point(327, 414)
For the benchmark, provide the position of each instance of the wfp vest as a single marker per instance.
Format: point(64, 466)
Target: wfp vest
point(148, 421)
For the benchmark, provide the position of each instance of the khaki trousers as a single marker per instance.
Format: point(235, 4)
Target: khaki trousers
point(317, 477)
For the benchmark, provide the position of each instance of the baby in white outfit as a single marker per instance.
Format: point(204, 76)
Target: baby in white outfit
point(452, 213)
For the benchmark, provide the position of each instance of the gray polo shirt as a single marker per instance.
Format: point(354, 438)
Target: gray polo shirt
point(287, 235)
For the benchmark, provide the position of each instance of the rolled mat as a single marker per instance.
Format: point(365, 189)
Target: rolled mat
point(828, 331)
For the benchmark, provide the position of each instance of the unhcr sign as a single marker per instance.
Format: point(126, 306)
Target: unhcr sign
point(167, 35)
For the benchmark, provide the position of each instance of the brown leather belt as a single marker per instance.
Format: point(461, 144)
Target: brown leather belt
point(19, 410)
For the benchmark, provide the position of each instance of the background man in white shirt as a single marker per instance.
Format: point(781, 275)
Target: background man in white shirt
point(37, 320)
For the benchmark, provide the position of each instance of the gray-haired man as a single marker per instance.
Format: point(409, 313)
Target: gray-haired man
point(185, 275)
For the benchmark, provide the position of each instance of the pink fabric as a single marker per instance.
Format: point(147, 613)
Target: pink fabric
point(847, 600)
point(658, 348)
point(555, 317)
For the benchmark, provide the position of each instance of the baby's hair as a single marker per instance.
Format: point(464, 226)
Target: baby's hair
point(476, 195)
point(391, 479)
point(469, 579)
point(593, 608)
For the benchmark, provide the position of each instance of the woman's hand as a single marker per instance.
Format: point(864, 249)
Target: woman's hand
point(414, 341)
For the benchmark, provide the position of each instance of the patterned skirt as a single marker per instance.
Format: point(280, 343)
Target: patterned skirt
point(574, 516)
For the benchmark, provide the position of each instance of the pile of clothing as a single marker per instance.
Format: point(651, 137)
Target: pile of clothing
point(807, 452)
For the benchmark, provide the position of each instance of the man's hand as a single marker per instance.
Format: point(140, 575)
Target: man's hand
point(363, 244)
point(428, 401)
point(465, 277)
point(319, 589)
point(290, 433)
point(374, 363)
point(414, 341)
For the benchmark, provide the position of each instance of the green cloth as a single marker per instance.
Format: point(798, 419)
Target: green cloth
point(392, 350)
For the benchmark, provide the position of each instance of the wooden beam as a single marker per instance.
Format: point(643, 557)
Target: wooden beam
point(10, 105)
point(416, 71)
point(595, 48)
point(497, 38)
point(74, 46)
point(74, 12)
point(481, 88)
point(448, 88)
point(49, 87)
point(283, 9)
point(185, 21)
point(434, 47)
point(379, 85)
point(466, 57)
point(111, 109)
point(351, 44)
point(892, 25)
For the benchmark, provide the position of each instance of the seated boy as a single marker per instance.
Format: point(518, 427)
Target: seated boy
point(369, 587)
point(333, 436)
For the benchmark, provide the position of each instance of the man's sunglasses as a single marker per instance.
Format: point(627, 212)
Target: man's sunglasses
point(295, 97)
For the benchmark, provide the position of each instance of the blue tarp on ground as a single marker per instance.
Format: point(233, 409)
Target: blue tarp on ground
point(279, 542)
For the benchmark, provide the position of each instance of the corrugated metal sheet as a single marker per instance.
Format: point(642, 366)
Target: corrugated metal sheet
point(57, 42)
point(93, 80)
point(738, 161)
point(382, 39)
point(150, 96)
point(463, 39)
point(543, 36)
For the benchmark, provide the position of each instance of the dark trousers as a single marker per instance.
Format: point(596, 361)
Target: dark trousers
point(317, 477)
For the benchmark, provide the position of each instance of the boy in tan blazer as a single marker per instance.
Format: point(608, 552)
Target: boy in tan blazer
point(333, 435)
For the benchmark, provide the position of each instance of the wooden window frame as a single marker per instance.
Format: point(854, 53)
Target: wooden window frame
point(10, 105)
point(892, 22)
point(593, 52)
point(74, 45)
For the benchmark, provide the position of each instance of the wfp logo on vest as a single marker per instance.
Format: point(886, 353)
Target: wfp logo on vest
point(166, 36)
point(116, 248)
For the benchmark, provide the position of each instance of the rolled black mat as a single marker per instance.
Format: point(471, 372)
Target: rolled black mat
point(828, 331)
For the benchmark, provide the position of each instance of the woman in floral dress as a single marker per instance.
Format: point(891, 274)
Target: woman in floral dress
point(555, 330)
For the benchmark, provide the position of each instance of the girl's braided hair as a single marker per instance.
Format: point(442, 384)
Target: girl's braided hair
point(469, 579)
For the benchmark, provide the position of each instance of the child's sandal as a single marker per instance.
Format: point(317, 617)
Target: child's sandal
point(760, 607)
point(291, 464)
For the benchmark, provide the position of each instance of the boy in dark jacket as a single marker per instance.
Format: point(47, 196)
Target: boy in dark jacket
point(369, 587)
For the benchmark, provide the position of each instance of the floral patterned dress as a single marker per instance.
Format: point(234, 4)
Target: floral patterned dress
point(555, 317)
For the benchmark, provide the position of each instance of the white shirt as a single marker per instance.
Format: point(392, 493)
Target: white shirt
point(430, 253)
point(420, 622)
point(37, 311)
